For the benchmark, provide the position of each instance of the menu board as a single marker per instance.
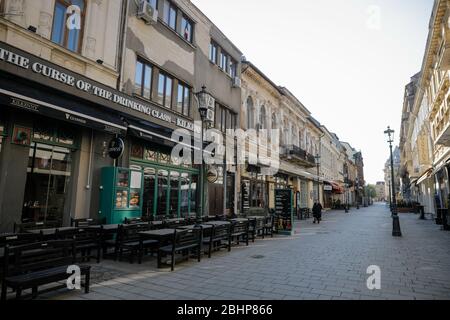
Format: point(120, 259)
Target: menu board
point(136, 180)
point(284, 210)
point(245, 196)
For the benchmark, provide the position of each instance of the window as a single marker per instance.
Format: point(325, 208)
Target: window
point(186, 29)
point(233, 68)
point(262, 118)
point(170, 14)
point(153, 4)
point(143, 80)
point(184, 99)
point(225, 118)
point(250, 113)
point(165, 90)
point(223, 61)
point(61, 34)
point(213, 52)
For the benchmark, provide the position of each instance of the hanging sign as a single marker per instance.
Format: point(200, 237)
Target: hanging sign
point(212, 175)
point(115, 148)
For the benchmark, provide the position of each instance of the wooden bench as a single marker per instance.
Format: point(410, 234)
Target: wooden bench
point(183, 241)
point(129, 241)
point(86, 222)
point(14, 240)
point(239, 230)
point(86, 242)
point(23, 227)
point(33, 265)
point(220, 237)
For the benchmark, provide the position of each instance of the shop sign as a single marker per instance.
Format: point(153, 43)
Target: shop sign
point(212, 175)
point(84, 85)
point(245, 191)
point(327, 188)
point(115, 148)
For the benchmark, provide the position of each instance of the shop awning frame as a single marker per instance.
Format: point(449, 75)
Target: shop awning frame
point(67, 112)
point(425, 176)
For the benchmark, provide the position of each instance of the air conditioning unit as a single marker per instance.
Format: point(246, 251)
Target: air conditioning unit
point(236, 82)
point(147, 13)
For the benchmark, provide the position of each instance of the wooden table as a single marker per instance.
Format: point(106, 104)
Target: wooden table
point(161, 234)
point(218, 223)
point(240, 220)
point(193, 226)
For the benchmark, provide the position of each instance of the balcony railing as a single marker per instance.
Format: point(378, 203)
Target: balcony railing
point(297, 155)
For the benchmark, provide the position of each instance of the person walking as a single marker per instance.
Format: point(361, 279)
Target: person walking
point(317, 212)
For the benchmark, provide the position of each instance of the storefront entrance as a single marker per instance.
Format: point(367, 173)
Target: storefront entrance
point(48, 178)
point(169, 189)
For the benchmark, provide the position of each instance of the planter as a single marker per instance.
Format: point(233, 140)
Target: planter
point(405, 210)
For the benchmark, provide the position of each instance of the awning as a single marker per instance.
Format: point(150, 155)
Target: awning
point(336, 187)
point(425, 176)
point(156, 134)
point(60, 107)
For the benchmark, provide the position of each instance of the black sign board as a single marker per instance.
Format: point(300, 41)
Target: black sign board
point(115, 148)
point(284, 210)
point(245, 190)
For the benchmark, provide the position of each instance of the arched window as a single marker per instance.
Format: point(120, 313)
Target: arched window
point(68, 23)
point(263, 118)
point(250, 113)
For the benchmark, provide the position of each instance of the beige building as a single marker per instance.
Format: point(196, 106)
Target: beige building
point(268, 106)
point(425, 143)
point(381, 191)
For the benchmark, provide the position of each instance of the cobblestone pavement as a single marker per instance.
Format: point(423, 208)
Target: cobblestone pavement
point(326, 261)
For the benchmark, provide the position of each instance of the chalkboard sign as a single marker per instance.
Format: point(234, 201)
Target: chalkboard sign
point(284, 210)
point(245, 196)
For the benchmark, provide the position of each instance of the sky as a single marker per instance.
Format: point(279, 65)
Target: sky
point(347, 61)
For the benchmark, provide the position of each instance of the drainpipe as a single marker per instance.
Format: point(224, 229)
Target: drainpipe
point(122, 43)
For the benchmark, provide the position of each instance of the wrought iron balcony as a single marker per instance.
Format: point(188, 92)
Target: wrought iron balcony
point(298, 156)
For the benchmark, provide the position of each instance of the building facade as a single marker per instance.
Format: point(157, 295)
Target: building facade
point(425, 122)
point(57, 62)
point(96, 96)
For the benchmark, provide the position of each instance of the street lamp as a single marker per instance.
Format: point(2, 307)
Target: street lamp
point(346, 191)
point(318, 176)
point(205, 107)
point(357, 193)
point(396, 232)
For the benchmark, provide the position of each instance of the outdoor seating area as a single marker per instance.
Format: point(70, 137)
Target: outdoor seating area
point(36, 257)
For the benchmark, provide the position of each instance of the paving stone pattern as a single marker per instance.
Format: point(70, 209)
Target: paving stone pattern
point(321, 262)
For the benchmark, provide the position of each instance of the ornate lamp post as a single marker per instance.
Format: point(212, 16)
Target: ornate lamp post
point(205, 104)
point(318, 176)
point(357, 193)
point(346, 192)
point(396, 232)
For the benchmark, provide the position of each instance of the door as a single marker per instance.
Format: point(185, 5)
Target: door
point(48, 178)
point(215, 199)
